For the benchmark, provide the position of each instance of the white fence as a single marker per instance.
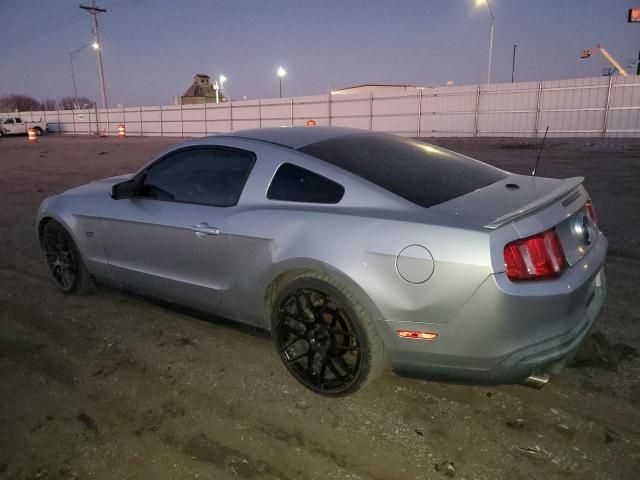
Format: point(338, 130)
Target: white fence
point(584, 107)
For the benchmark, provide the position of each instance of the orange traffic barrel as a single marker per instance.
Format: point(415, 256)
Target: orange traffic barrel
point(33, 137)
point(121, 132)
point(311, 123)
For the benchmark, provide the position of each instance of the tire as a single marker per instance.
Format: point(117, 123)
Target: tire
point(63, 259)
point(38, 131)
point(324, 335)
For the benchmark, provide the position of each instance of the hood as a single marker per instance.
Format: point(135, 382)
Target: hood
point(101, 185)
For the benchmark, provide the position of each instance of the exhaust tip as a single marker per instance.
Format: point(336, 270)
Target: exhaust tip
point(537, 380)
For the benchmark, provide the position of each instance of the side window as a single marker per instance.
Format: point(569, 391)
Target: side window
point(207, 176)
point(296, 184)
point(8, 121)
point(18, 120)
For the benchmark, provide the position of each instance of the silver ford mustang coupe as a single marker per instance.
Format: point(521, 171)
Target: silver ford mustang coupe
point(353, 248)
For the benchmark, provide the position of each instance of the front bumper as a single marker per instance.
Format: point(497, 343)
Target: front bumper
point(507, 331)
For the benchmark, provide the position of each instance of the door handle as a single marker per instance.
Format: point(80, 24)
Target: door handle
point(203, 229)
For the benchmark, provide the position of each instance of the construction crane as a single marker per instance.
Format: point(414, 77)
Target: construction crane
point(587, 52)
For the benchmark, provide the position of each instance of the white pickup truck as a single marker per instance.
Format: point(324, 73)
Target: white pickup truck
point(16, 126)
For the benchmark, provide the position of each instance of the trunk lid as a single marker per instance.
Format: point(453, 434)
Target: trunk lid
point(521, 206)
point(506, 200)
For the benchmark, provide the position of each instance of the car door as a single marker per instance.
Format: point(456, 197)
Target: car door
point(9, 126)
point(19, 126)
point(169, 240)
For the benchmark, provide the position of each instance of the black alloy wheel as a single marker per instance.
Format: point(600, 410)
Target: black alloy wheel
point(317, 340)
point(63, 259)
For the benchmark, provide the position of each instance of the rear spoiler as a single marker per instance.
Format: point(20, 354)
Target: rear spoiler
point(568, 185)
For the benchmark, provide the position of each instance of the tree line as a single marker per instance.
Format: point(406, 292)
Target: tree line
point(25, 103)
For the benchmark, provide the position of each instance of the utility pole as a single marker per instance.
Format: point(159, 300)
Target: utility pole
point(94, 11)
point(73, 77)
point(493, 21)
point(513, 62)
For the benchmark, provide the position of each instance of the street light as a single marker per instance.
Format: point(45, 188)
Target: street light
point(219, 86)
point(281, 73)
point(222, 89)
point(216, 87)
point(73, 73)
point(95, 46)
point(486, 2)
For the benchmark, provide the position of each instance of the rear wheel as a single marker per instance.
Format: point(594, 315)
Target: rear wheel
point(63, 259)
point(324, 336)
point(38, 131)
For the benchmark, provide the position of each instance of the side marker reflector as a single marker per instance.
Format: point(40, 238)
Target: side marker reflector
point(417, 335)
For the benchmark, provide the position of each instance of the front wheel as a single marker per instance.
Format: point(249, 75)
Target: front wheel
point(324, 336)
point(63, 259)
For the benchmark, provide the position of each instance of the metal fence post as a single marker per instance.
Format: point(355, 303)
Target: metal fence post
point(259, 113)
point(231, 115)
point(58, 115)
point(292, 111)
point(141, 129)
point(371, 111)
point(161, 127)
point(73, 120)
point(419, 129)
point(606, 108)
point(181, 121)
point(330, 107)
point(477, 113)
point(538, 105)
point(206, 127)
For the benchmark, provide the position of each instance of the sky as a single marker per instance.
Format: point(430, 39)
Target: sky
point(152, 48)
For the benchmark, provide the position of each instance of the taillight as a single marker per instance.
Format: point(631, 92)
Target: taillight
point(534, 258)
point(591, 212)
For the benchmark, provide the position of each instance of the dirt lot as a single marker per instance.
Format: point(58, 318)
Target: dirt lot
point(110, 386)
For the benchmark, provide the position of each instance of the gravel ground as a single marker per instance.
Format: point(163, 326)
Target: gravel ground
point(110, 386)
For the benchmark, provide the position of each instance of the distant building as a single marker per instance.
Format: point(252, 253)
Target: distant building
point(378, 89)
point(201, 91)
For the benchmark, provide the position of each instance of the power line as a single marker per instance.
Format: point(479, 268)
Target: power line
point(126, 3)
point(28, 38)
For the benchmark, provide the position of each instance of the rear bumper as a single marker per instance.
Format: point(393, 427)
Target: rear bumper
point(507, 331)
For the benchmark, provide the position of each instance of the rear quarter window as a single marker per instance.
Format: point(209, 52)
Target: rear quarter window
point(296, 184)
point(421, 173)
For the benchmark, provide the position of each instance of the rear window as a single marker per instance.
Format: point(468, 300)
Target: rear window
point(421, 173)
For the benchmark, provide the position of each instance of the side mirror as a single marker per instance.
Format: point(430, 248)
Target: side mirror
point(126, 189)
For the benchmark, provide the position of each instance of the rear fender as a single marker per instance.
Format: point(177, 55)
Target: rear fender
point(280, 271)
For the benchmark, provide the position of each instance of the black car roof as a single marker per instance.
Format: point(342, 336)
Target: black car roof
point(294, 137)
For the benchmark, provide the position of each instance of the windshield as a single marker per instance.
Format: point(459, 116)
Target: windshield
point(421, 173)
